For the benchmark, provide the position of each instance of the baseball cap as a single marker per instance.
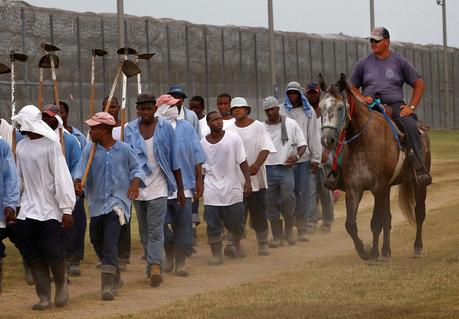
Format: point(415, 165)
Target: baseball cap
point(145, 98)
point(270, 102)
point(313, 87)
point(379, 33)
point(101, 118)
point(177, 90)
point(166, 99)
point(51, 110)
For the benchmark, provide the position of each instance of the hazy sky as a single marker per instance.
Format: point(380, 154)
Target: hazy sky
point(418, 21)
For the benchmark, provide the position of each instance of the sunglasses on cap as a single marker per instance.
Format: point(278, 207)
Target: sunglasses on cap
point(375, 41)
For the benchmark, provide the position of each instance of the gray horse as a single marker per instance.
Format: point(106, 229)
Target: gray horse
point(371, 161)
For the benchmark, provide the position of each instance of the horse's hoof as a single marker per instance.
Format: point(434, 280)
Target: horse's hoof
point(417, 254)
point(374, 262)
point(385, 259)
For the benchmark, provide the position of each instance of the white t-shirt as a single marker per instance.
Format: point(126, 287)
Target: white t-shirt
point(255, 139)
point(156, 183)
point(205, 129)
point(46, 186)
point(284, 151)
point(223, 185)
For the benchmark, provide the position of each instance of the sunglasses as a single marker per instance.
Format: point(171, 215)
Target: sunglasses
point(375, 41)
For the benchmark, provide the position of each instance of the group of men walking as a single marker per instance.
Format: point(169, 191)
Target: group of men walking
point(249, 173)
point(166, 160)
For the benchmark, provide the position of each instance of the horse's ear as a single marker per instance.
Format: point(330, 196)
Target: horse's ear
point(341, 84)
point(322, 84)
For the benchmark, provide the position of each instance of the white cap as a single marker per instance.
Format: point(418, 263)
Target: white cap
point(270, 102)
point(239, 102)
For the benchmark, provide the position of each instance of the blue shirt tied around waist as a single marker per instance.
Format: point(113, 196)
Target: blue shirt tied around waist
point(109, 178)
point(189, 152)
point(9, 190)
point(164, 148)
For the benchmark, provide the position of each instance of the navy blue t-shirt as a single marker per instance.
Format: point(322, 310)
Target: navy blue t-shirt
point(384, 78)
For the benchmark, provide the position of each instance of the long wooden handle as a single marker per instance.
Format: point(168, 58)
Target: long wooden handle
point(88, 165)
point(93, 86)
point(13, 143)
point(107, 106)
point(123, 121)
point(40, 91)
point(56, 102)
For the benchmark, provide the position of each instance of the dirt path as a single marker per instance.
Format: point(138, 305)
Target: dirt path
point(137, 296)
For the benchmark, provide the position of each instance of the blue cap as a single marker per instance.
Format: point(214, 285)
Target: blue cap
point(177, 89)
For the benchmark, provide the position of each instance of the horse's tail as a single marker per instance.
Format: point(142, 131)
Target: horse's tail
point(406, 200)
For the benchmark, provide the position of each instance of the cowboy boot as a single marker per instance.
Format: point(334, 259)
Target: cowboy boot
point(276, 229)
point(262, 238)
point(216, 249)
point(40, 274)
point(61, 297)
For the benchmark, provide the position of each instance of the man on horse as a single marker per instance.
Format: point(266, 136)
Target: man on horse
point(381, 75)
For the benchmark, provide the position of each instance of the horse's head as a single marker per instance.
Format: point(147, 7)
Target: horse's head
point(334, 111)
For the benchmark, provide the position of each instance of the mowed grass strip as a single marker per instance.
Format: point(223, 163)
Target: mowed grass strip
point(346, 287)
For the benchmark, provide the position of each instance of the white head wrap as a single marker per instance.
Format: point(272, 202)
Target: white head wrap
point(29, 119)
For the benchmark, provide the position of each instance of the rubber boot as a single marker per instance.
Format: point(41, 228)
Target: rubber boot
point(216, 249)
point(107, 281)
point(230, 249)
point(240, 251)
point(288, 233)
point(169, 262)
point(40, 274)
point(262, 238)
point(61, 297)
point(302, 226)
point(27, 274)
point(180, 259)
point(1, 274)
point(118, 283)
point(276, 229)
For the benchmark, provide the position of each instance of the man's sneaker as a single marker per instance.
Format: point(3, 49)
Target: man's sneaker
point(156, 278)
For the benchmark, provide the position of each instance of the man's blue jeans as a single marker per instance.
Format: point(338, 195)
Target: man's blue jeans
point(150, 216)
point(302, 175)
point(280, 195)
point(104, 232)
point(180, 232)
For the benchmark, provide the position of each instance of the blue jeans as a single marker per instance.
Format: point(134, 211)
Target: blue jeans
point(39, 241)
point(231, 217)
point(318, 191)
point(280, 195)
point(74, 237)
point(150, 216)
point(104, 233)
point(301, 174)
point(180, 232)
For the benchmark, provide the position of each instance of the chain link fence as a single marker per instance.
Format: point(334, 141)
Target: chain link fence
point(206, 60)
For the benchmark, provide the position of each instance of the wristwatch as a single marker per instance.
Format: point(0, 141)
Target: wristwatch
point(413, 107)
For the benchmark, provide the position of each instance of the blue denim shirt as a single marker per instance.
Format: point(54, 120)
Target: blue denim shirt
point(72, 152)
point(189, 152)
point(192, 118)
point(80, 137)
point(9, 183)
point(109, 178)
point(164, 148)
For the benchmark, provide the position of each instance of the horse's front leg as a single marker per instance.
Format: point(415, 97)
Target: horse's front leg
point(380, 210)
point(353, 197)
point(386, 252)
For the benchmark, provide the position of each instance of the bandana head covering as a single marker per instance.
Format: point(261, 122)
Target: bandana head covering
point(29, 120)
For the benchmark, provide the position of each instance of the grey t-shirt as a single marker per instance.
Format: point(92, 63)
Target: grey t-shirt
point(384, 78)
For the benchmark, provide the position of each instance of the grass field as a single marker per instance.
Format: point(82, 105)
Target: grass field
point(335, 284)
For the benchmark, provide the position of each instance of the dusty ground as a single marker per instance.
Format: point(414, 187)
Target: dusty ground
point(137, 296)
